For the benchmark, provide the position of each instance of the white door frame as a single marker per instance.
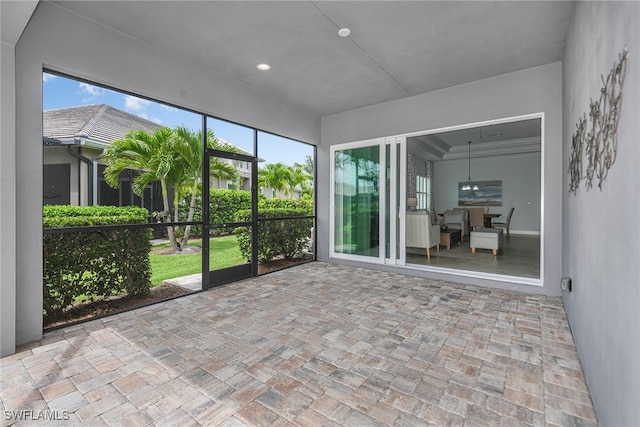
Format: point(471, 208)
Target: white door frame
point(401, 260)
point(380, 259)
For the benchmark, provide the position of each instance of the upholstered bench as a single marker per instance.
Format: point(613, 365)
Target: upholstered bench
point(486, 238)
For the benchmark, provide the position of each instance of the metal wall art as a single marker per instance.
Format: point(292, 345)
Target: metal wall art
point(575, 164)
point(601, 141)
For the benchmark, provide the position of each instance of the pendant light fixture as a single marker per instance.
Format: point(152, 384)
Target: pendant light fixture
point(469, 184)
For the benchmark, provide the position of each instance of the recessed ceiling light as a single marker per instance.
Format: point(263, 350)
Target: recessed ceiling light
point(263, 67)
point(344, 32)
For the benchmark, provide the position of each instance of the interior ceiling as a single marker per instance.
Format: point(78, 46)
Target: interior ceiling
point(396, 49)
point(521, 137)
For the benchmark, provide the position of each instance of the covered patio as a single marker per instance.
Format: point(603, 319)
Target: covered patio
point(319, 344)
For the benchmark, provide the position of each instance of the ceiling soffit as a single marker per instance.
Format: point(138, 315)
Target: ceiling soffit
point(522, 146)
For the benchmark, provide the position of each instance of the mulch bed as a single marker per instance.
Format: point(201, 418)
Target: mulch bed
point(279, 264)
point(91, 309)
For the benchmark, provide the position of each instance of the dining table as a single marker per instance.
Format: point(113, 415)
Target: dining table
point(488, 216)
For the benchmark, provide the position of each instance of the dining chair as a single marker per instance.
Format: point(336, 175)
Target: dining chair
point(476, 218)
point(507, 223)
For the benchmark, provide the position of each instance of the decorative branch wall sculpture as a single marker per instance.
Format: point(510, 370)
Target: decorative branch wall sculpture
point(575, 164)
point(601, 141)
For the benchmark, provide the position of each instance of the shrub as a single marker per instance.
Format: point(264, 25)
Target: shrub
point(224, 205)
point(302, 204)
point(285, 237)
point(96, 263)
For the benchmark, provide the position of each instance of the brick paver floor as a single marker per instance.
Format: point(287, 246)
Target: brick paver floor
point(318, 344)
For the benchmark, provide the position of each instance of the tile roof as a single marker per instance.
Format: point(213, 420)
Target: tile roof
point(98, 122)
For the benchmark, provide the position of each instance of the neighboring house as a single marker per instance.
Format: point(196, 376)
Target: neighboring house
point(74, 140)
point(73, 173)
point(270, 193)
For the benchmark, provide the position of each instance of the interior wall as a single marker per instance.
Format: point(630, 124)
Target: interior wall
point(63, 42)
point(535, 90)
point(520, 176)
point(601, 228)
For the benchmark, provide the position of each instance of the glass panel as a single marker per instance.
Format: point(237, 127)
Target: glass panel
point(231, 137)
point(89, 168)
point(399, 195)
point(357, 174)
point(285, 179)
point(229, 203)
point(286, 172)
point(183, 269)
point(283, 243)
point(228, 247)
point(437, 182)
point(387, 202)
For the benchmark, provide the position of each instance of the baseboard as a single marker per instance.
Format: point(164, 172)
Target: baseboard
point(524, 232)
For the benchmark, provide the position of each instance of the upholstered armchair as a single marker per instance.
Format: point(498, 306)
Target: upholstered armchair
point(421, 233)
point(457, 220)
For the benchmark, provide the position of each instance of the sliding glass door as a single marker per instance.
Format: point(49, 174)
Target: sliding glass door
point(365, 202)
point(357, 201)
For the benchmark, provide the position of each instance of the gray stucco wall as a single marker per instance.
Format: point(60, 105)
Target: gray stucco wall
point(535, 90)
point(63, 42)
point(601, 228)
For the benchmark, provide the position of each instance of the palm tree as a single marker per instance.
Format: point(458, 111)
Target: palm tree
point(307, 166)
point(274, 176)
point(190, 149)
point(298, 176)
point(153, 155)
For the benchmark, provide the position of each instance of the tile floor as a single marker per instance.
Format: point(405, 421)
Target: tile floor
point(318, 344)
point(520, 256)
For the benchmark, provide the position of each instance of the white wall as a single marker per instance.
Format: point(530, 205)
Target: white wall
point(535, 90)
point(63, 42)
point(7, 201)
point(602, 228)
point(14, 17)
point(520, 176)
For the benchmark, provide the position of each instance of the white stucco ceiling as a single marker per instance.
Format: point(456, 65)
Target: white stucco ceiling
point(396, 49)
point(14, 16)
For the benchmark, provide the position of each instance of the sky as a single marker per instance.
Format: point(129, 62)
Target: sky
point(62, 92)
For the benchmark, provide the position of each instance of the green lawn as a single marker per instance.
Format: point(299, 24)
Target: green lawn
point(224, 252)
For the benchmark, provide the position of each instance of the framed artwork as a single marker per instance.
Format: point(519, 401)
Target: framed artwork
point(489, 193)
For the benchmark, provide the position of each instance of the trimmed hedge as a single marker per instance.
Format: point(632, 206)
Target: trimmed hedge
point(225, 204)
point(96, 263)
point(304, 205)
point(286, 237)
